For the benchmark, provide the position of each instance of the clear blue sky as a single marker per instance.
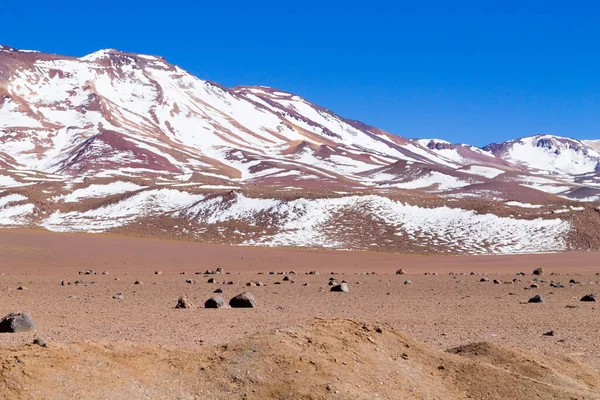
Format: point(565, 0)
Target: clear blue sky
point(460, 71)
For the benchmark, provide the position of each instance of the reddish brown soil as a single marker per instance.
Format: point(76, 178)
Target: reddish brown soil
point(29, 251)
point(441, 310)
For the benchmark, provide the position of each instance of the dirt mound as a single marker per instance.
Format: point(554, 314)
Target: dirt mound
point(334, 358)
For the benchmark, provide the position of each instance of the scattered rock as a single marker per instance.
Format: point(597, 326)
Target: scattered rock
point(286, 278)
point(536, 299)
point(158, 272)
point(211, 280)
point(182, 302)
point(65, 283)
point(556, 284)
point(215, 302)
point(17, 322)
point(484, 279)
point(39, 341)
point(497, 281)
point(118, 296)
point(588, 297)
point(538, 271)
point(292, 272)
point(549, 333)
point(408, 282)
point(340, 288)
point(138, 283)
point(243, 300)
point(400, 272)
point(190, 281)
point(22, 288)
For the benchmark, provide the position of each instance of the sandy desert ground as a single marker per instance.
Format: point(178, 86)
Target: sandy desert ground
point(383, 337)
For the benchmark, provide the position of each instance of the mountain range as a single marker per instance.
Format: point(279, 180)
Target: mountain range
point(131, 144)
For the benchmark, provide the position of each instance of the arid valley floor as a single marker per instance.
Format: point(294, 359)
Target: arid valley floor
point(382, 339)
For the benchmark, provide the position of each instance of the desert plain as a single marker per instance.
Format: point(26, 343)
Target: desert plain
point(448, 333)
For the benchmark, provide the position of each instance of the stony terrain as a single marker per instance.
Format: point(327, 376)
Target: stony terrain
point(131, 144)
point(278, 349)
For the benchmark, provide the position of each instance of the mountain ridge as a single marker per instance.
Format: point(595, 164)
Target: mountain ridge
point(102, 124)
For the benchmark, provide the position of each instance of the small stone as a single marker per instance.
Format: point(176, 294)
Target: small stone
point(286, 278)
point(190, 281)
point(400, 272)
point(243, 300)
point(292, 272)
point(182, 302)
point(39, 341)
point(408, 282)
point(549, 333)
point(104, 272)
point(589, 297)
point(118, 296)
point(211, 280)
point(534, 285)
point(538, 271)
point(138, 283)
point(484, 279)
point(158, 272)
point(17, 322)
point(497, 281)
point(340, 288)
point(218, 290)
point(536, 299)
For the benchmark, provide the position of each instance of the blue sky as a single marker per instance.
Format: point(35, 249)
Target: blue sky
point(460, 71)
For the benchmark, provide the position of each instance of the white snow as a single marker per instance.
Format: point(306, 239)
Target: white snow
point(488, 172)
point(522, 205)
point(14, 214)
point(443, 182)
point(560, 158)
point(312, 222)
point(96, 190)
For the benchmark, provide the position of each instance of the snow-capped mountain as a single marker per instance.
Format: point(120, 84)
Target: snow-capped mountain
point(114, 140)
point(549, 154)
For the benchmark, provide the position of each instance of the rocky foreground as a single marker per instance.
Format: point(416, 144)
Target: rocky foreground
point(323, 359)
